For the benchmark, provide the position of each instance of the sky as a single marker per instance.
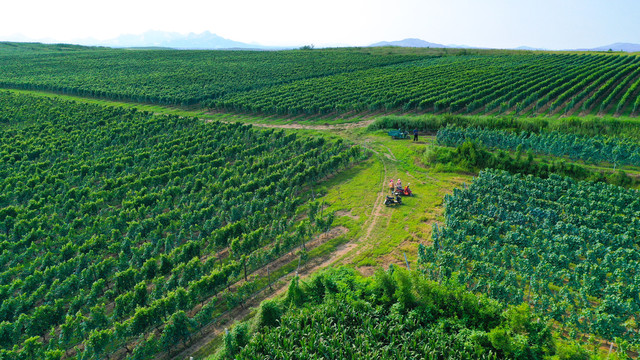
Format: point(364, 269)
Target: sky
point(551, 24)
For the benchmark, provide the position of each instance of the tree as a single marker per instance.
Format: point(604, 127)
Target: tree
point(7, 334)
point(177, 329)
point(98, 342)
point(32, 348)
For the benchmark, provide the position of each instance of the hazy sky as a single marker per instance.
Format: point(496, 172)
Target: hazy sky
point(553, 24)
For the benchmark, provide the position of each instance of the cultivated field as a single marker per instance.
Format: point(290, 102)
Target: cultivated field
point(230, 204)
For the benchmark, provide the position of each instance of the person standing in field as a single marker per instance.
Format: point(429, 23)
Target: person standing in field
point(415, 134)
point(391, 186)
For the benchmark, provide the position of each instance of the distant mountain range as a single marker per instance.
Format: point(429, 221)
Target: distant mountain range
point(173, 40)
point(626, 47)
point(411, 42)
point(207, 40)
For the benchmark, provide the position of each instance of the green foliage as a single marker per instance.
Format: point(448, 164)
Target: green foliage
point(235, 340)
point(472, 156)
point(269, 313)
point(341, 80)
point(175, 77)
point(98, 342)
point(404, 288)
point(572, 351)
point(577, 147)
point(523, 338)
point(464, 84)
point(113, 220)
point(566, 248)
point(295, 295)
point(584, 125)
point(442, 319)
point(178, 328)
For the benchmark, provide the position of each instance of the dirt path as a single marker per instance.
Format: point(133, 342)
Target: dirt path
point(343, 254)
point(210, 332)
point(298, 126)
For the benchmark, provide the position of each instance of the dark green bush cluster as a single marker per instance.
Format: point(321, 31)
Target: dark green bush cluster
point(588, 126)
point(395, 314)
point(471, 156)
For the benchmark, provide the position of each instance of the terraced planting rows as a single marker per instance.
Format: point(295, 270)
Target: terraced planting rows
point(550, 83)
point(338, 80)
point(120, 229)
point(569, 249)
point(175, 77)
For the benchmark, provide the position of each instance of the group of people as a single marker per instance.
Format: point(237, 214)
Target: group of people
point(397, 186)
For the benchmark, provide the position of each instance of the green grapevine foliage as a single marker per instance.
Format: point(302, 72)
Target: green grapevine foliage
point(113, 221)
point(570, 249)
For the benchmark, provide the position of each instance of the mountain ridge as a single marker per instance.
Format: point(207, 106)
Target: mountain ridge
point(155, 39)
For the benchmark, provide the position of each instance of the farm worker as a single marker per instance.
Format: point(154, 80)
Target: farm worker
point(391, 186)
point(399, 185)
point(415, 134)
point(406, 189)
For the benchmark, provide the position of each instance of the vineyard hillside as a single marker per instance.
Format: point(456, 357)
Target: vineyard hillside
point(161, 204)
point(337, 81)
point(117, 224)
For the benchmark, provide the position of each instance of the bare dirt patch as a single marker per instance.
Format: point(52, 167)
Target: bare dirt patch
point(347, 213)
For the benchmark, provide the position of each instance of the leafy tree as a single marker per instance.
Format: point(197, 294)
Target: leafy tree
point(98, 342)
point(178, 328)
point(32, 348)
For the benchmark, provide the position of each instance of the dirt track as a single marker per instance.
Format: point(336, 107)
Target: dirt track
point(209, 333)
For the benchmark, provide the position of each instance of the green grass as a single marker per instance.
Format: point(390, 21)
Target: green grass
point(397, 230)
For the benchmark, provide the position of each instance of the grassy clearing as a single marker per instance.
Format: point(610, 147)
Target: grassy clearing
point(401, 228)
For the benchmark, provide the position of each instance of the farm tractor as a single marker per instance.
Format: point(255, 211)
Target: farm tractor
point(398, 134)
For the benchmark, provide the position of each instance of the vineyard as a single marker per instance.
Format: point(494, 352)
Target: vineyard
point(153, 228)
point(337, 81)
point(544, 83)
point(174, 77)
point(117, 225)
point(569, 249)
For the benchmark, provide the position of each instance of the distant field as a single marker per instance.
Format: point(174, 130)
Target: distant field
point(336, 81)
point(171, 76)
point(534, 83)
